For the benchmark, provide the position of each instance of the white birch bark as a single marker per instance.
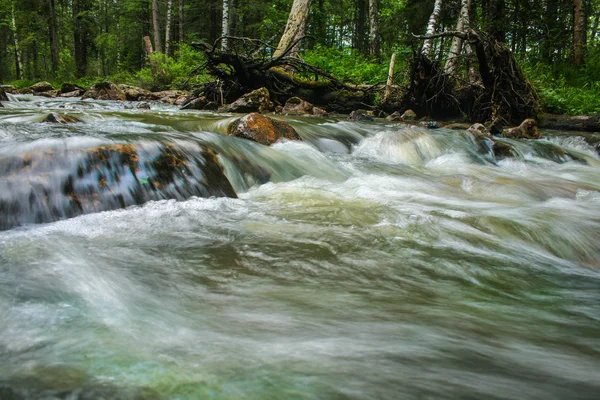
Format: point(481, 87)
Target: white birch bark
point(225, 25)
point(19, 66)
point(168, 27)
point(463, 22)
point(434, 20)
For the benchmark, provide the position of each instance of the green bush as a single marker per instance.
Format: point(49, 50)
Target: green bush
point(566, 90)
point(347, 65)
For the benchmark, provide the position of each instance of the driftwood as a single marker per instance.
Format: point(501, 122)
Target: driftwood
point(502, 97)
point(247, 66)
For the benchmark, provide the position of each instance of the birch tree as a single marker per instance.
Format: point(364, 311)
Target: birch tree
point(168, 27)
point(456, 47)
point(13, 27)
point(225, 27)
point(432, 25)
point(294, 29)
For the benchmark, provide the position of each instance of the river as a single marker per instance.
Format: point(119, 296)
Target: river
point(369, 261)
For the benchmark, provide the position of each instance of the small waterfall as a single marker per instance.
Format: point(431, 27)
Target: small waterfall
point(63, 181)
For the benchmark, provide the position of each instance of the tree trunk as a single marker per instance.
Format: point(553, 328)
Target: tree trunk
point(432, 26)
point(225, 27)
point(148, 51)
point(579, 32)
point(156, 25)
point(496, 22)
point(168, 27)
point(550, 24)
point(54, 56)
point(18, 65)
point(294, 30)
point(374, 27)
point(181, 38)
point(453, 60)
point(388, 87)
point(80, 36)
point(358, 37)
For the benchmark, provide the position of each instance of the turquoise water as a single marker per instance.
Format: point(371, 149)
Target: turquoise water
point(368, 261)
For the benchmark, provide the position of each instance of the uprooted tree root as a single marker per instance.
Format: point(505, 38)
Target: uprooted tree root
point(246, 66)
point(503, 96)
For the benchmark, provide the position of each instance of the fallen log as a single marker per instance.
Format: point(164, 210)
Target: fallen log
point(583, 123)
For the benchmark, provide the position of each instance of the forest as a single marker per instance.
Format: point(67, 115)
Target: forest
point(85, 41)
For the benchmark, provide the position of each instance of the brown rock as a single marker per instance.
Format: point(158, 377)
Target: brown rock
point(257, 100)
point(527, 130)
point(261, 129)
point(133, 93)
point(297, 106)
point(395, 117)
point(56, 118)
point(502, 150)
point(104, 91)
point(74, 93)
point(359, 115)
point(409, 115)
point(41, 87)
point(479, 129)
point(457, 126)
point(3, 96)
point(70, 88)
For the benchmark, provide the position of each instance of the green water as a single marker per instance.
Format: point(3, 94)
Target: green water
point(375, 262)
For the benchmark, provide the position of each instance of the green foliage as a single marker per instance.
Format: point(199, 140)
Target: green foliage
point(565, 91)
point(347, 65)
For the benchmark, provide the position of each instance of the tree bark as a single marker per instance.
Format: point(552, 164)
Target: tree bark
point(80, 36)
point(148, 51)
point(54, 52)
point(388, 87)
point(579, 32)
point(496, 22)
point(358, 37)
point(18, 65)
point(156, 25)
point(168, 27)
point(374, 29)
point(225, 27)
point(181, 38)
point(295, 28)
point(463, 22)
point(432, 26)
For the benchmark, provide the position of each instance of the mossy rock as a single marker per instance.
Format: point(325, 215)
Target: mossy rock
point(105, 91)
point(258, 100)
point(56, 118)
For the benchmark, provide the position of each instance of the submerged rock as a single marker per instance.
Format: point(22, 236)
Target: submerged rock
point(258, 100)
point(502, 150)
point(63, 182)
point(261, 129)
point(104, 91)
point(297, 106)
point(527, 130)
point(56, 118)
point(74, 93)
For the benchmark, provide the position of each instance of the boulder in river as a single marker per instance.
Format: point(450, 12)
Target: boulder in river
point(261, 129)
point(297, 106)
point(62, 182)
point(479, 130)
point(359, 116)
point(41, 87)
point(195, 104)
point(56, 118)
point(133, 93)
point(258, 100)
point(104, 91)
point(71, 87)
point(3, 96)
point(527, 130)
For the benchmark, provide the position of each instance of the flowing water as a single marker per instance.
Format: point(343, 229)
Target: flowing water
point(370, 260)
